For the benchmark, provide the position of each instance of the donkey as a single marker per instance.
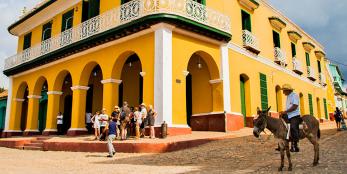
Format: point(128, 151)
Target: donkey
point(277, 126)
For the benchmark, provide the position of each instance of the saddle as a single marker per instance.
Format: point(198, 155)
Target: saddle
point(286, 123)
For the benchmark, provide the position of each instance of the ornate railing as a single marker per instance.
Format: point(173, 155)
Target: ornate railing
point(126, 13)
point(322, 79)
point(297, 65)
point(311, 73)
point(280, 56)
point(249, 40)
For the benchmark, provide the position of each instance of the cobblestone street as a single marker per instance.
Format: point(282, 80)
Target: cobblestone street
point(238, 155)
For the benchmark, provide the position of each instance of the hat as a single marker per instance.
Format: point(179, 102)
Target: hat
point(143, 104)
point(287, 87)
point(116, 107)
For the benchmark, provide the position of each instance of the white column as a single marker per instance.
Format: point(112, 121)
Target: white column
point(163, 73)
point(225, 76)
point(9, 103)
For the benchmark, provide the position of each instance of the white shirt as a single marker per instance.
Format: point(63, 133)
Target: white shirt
point(144, 112)
point(293, 99)
point(88, 117)
point(60, 119)
point(103, 117)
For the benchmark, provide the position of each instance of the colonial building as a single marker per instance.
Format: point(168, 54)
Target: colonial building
point(340, 92)
point(203, 64)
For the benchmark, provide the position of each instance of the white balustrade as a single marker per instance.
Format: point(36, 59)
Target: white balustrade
point(126, 13)
point(297, 65)
point(322, 79)
point(249, 40)
point(310, 72)
point(280, 56)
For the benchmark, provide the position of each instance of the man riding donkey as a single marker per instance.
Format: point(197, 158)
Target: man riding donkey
point(292, 113)
point(289, 123)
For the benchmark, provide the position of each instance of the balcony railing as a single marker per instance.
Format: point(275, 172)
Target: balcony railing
point(126, 13)
point(322, 79)
point(280, 56)
point(297, 67)
point(311, 73)
point(250, 42)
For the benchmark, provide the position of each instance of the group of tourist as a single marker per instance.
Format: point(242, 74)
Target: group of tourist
point(339, 119)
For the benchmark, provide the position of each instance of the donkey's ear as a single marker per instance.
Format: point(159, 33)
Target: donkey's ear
point(268, 109)
point(258, 110)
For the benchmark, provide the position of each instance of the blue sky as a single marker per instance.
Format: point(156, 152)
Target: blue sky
point(325, 20)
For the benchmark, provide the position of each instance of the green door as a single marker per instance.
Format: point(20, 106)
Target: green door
point(243, 99)
point(2, 117)
point(325, 108)
point(310, 102)
point(263, 92)
point(42, 115)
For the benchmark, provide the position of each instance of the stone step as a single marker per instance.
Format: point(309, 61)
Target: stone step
point(19, 147)
point(37, 141)
point(32, 148)
point(34, 144)
point(42, 138)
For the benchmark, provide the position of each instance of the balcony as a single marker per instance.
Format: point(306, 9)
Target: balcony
point(280, 57)
point(250, 42)
point(297, 67)
point(310, 73)
point(187, 13)
point(322, 79)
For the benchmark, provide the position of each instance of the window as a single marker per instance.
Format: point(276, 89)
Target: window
point(325, 108)
point(293, 49)
point(46, 31)
point(310, 102)
point(246, 21)
point(67, 21)
point(319, 66)
point(27, 41)
point(91, 8)
point(308, 62)
point(263, 91)
point(276, 39)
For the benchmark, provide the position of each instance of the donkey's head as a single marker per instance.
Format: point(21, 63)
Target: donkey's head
point(260, 121)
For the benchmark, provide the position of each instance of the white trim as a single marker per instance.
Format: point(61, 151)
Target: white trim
point(185, 73)
point(45, 15)
point(225, 73)
point(111, 81)
point(163, 73)
point(77, 129)
point(18, 99)
point(34, 96)
point(80, 88)
point(9, 103)
point(54, 93)
point(13, 131)
point(143, 74)
point(31, 130)
point(88, 51)
point(268, 62)
point(50, 130)
point(215, 81)
point(208, 113)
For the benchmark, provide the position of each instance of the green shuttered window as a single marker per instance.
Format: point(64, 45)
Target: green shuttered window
point(319, 66)
point(310, 102)
point(293, 49)
point(308, 62)
point(325, 108)
point(263, 91)
point(246, 21)
point(276, 39)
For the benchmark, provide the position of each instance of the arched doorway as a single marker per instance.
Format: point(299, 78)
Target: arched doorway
point(318, 108)
point(95, 91)
point(43, 107)
point(131, 88)
point(245, 96)
point(22, 102)
point(302, 104)
point(279, 103)
point(202, 86)
point(66, 102)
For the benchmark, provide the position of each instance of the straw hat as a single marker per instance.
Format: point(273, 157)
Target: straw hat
point(143, 104)
point(116, 107)
point(287, 87)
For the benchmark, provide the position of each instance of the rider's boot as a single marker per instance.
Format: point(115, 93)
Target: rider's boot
point(292, 147)
point(296, 146)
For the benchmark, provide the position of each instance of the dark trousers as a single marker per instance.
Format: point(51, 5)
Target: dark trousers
point(294, 128)
point(60, 129)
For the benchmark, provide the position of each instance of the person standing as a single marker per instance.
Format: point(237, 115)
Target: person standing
point(96, 121)
point(60, 123)
point(124, 120)
point(144, 119)
point(111, 136)
point(104, 119)
point(152, 114)
point(338, 117)
point(293, 112)
point(89, 122)
point(116, 114)
point(138, 122)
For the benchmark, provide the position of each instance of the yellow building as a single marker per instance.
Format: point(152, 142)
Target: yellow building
point(203, 64)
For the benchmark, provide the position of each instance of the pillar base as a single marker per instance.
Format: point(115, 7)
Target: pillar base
point(171, 131)
point(50, 132)
point(31, 132)
point(9, 134)
point(76, 132)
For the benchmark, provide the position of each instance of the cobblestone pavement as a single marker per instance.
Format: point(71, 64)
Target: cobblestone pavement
point(238, 155)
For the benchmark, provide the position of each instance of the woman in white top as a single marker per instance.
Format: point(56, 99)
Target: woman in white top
point(96, 124)
point(138, 121)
